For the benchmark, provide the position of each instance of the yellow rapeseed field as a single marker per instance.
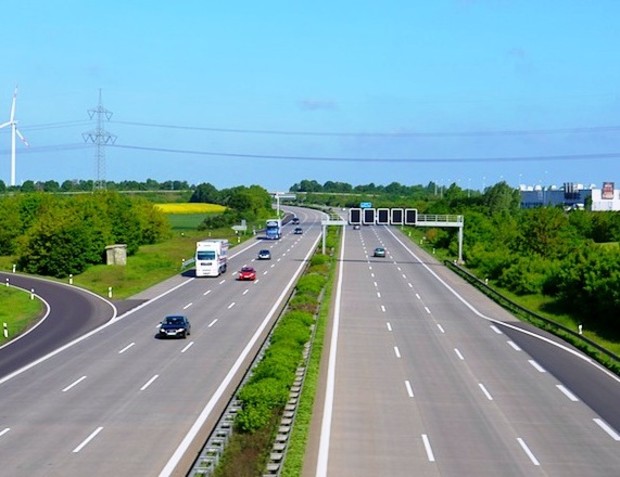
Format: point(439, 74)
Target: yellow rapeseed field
point(191, 208)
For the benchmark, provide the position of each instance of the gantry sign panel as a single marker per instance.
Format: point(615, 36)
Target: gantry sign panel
point(382, 216)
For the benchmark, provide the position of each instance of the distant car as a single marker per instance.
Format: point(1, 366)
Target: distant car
point(356, 227)
point(247, 273)
point(379, 252)
point(264, 254)
point(295, 220)
point(175, 326)
point(298, 231)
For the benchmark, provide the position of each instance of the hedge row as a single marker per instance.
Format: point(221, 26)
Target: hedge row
point(267, 390)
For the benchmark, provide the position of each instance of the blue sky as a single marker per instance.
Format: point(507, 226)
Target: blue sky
point(395, 91)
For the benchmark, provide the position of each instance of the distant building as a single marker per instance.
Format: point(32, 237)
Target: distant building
point(572, 196)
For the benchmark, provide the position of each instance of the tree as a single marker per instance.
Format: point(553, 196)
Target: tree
point(502, 198)
point(206, 193)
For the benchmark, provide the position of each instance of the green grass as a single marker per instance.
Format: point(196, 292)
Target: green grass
point(185, 222)
point(151, 265)
point(18, 311)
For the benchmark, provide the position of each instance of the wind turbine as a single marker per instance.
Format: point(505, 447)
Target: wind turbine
point(14, 132)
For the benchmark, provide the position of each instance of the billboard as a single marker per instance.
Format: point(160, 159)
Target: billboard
point(607, 193)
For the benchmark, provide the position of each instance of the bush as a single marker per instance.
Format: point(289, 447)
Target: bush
point(312, 284)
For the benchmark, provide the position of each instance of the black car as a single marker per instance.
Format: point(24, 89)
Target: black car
point(175, 326)
point(298, 231)
point(295, 221)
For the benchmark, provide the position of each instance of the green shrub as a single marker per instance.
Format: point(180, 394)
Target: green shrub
point(312, 283)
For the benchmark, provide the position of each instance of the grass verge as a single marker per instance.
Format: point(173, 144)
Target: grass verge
point(18, 311)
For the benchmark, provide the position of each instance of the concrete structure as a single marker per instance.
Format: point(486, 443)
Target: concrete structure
point(572, 196)
point(116, 254)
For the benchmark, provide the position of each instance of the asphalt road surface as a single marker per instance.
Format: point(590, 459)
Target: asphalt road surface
point(69, 312)
point(122, 402)
point(425, 376)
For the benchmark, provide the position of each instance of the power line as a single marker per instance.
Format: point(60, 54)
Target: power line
point(560, 157)
point(395, 134)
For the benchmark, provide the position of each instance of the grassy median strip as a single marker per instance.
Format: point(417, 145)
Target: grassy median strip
point(267, 390)
point(18, 312)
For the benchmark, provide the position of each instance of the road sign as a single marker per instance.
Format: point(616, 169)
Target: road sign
point(383, 216)
point(369, 216)
point(411, 216)
point(397, 217)
point(355, 216)
point(365, 205)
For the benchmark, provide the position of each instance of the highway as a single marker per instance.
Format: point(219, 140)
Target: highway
point(425, 376)
point(122, 402)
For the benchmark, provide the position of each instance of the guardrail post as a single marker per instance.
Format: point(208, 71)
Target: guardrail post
point(7, 282)
point(32, 293)
point(5, 330)
point(71, 279)
point(14, 267)
point(580, 329)
point(109, 292)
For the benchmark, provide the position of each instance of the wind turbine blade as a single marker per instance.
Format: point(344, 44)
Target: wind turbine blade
point(3, 125)
point(21, 136)
point(13, 105)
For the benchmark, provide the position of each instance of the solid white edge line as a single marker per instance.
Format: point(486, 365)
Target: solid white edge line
point(323, 455)
point(427, 447)
point(206, 411)
point(527, 451)
point(503, 323)
point(87, 440)
point(607, 428)
point(74, 383)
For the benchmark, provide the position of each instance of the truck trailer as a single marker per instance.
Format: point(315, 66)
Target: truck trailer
point(211, 257)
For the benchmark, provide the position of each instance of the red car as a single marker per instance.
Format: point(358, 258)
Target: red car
point(247, 273)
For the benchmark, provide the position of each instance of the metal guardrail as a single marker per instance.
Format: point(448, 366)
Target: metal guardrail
point(580, 341)
point(439, 218)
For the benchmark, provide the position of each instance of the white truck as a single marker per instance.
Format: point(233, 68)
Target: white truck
point(211, 257)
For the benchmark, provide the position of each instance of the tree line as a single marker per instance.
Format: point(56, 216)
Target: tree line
point(57, 235)
point(79, 185)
